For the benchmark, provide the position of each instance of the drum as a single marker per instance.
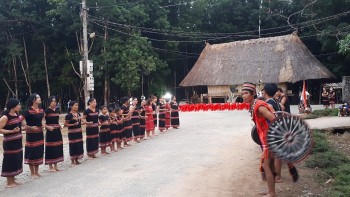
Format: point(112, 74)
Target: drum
point(255, 135)
point(289, 138)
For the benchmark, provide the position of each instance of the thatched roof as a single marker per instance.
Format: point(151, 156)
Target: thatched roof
point(271, 60)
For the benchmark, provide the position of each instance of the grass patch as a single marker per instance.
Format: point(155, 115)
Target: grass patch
point(328, 159)
point(333, 164)
point(322, 113)
point(321, 143)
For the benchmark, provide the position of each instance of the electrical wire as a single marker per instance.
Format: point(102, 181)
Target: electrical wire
point(212, 39)
point(196, 55)
point(298, 25)
point(114, 5)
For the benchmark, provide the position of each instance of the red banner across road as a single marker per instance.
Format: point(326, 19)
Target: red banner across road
point(214, 107)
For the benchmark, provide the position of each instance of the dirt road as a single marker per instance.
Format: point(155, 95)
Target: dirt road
point(212, 154)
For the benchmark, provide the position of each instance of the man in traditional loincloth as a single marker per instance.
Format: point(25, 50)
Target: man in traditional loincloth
point(261, 113)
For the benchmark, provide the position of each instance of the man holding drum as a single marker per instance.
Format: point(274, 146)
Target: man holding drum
point(261, 114)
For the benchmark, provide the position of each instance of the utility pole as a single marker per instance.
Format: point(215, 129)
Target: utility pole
point(85, 53)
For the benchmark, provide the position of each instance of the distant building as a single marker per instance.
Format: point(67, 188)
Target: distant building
point(225, 67)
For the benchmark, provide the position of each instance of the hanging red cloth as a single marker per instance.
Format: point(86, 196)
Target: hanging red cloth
point(304, 94)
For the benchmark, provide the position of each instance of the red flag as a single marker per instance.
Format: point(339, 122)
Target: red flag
point(304, 94)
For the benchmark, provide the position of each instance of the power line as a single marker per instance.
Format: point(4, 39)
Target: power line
point(114, 5)
point(152, 39)
point(196, 55)
point(159, 49)
point(299, 25)
point(178, 4)
point(168, 34)
point(327, 33)
point(46, 26)
point(203, 37)
point(188, 41)
point(138, 2)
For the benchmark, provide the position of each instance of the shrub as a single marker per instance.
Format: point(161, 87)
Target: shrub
point(322, 113)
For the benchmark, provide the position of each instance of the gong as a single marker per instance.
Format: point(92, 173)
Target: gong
point(289, 138)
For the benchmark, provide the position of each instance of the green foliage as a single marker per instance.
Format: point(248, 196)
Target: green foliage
point(322, 113)
point(334, 164)
point(321, 143)
point(328, 159)
point(344, 45)
point(341, 185)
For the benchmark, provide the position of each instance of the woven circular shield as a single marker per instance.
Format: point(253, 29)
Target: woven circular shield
point(289, 138)
point(255, 135)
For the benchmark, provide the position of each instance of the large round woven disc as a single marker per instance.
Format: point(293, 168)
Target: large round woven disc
point(289, 138)
point(255, 135)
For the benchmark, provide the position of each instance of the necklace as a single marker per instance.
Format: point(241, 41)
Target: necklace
point(251, 110)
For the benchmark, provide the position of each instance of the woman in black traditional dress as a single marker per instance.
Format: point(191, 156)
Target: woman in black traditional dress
point(174, 116)
point(75, 133)
point(10, 127)
point(331, 97)
point(54, 142)
point(325, 99)
point(34, 147)
point(142, 111)
point(113, 127)
point(135, 119)
point(92, 132)
point(120, 127)
point(105, 134)
point(155, 111)
point(161, 114)
point(127, 124)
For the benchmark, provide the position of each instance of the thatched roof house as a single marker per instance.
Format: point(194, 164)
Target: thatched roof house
point(270, 60)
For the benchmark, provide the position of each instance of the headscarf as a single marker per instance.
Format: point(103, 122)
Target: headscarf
point(249, 86)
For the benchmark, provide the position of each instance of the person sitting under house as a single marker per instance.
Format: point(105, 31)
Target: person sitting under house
point(344, 110)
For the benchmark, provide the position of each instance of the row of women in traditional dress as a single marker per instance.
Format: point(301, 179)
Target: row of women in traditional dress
point(328, 98)
point(112, 128)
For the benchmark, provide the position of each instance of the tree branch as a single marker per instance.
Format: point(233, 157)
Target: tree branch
point(76, 72)
point(8, 86)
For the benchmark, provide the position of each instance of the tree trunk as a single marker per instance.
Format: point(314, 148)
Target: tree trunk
point(8, 96)
point(15, 75)
point(14, 64)
point(105, 96)
point(25, 75)
point(46, 72)
point(60, 101)
point(26, 70)
point(106, 88)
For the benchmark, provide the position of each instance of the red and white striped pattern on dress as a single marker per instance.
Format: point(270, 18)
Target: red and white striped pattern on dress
point(13, 149)
point(14, 136)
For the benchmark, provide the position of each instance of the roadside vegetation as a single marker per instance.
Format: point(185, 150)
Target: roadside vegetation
point(334, 166)
point(322, 113)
